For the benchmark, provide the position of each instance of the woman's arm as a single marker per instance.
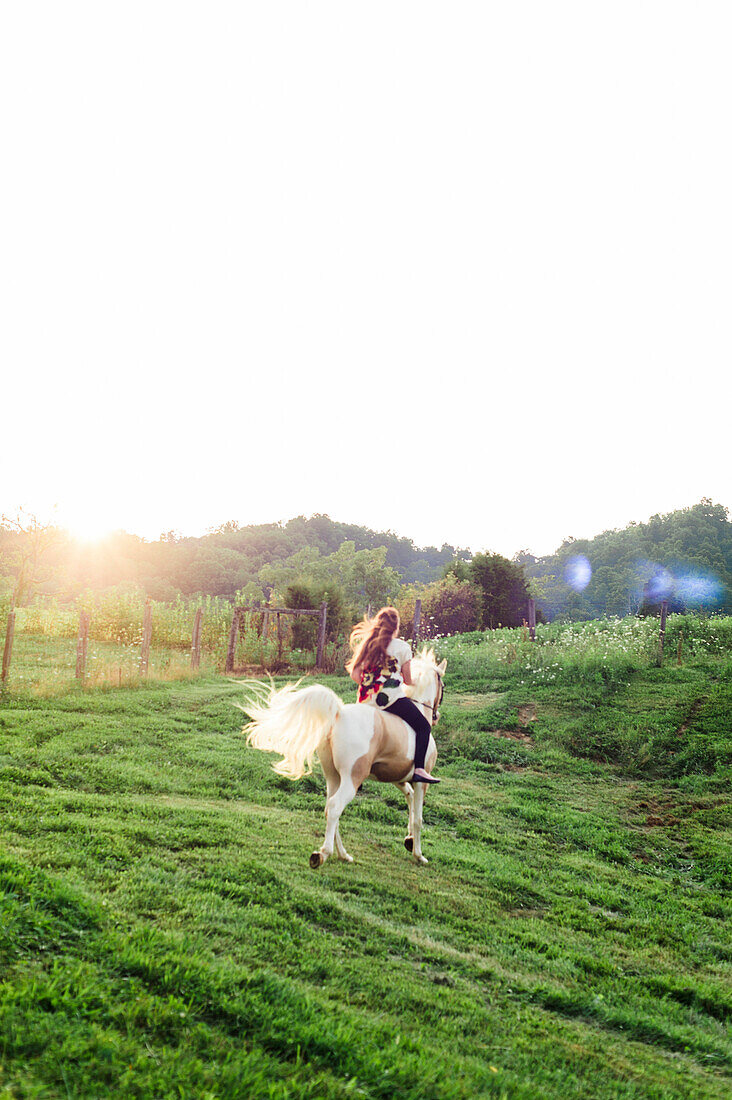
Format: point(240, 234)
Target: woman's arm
point(355, 674)
point(407, 672)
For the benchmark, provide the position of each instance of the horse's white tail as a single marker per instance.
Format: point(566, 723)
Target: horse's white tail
point(293, 723)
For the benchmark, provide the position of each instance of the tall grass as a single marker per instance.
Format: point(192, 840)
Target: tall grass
point(117, 617)
point(601, 651)
point(45, 651)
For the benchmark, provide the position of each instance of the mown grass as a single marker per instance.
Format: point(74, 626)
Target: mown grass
point(162, 933)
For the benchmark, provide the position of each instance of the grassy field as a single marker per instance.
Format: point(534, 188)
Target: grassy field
point(161, 933)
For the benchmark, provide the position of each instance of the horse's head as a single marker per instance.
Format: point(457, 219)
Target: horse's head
point(427, 684)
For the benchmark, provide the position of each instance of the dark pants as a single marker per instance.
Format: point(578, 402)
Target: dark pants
point(406, 709)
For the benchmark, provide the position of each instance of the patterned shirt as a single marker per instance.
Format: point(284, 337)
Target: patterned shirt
point(382, 685)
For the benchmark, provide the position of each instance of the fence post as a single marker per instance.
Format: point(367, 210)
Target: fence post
point(321, 635)
point(146, 636)
point(279, 637)
point(532, 619)
point(417, 621)
point(662, 631)
point(7, 652)
point(81, 645)
point(232, 640)
point(196, 640)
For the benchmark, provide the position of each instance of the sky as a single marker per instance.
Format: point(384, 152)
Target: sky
point(459, 271)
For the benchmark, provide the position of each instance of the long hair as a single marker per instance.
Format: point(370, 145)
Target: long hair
point(370, 638)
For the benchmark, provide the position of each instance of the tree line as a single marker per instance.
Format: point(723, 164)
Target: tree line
point(684, 557)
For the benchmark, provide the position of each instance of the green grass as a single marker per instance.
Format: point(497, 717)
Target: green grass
point(161, 933)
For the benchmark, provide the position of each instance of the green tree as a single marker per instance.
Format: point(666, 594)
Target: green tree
point(362, 576)
point(28, 552)
point(306, 594)
point(503, 588)
point(449, 606)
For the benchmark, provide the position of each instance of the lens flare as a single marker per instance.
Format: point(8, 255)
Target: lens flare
point(653, 582)
point(578, 572)
point(660, 584)
point(678, 583)
point(698, 588)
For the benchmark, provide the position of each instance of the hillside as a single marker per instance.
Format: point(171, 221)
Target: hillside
point(162, 933)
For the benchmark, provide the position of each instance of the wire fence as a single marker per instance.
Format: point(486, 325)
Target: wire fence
point(122, 640)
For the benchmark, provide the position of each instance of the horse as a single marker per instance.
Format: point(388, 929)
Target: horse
point(352, 741)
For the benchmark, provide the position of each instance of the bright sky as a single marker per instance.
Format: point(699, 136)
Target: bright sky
point(458, 270)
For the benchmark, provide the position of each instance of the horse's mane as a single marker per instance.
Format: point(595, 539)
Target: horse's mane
point(423, 664)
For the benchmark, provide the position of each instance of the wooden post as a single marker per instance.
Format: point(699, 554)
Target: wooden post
point(662, 631)
point(232, 640)
point(279, 637)
point(679, 647)
point(81, 645)
point(532, 619)
point(146, 638)
point(196, 640)
point(368, 612)
point(321, 635)
point(265, 625)
point(7, 652)
point(417, 621)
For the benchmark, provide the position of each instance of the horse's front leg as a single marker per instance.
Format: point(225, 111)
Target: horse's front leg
point(419, 792)
point(408, 792)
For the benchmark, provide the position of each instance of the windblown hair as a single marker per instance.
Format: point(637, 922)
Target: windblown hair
point(370, 638)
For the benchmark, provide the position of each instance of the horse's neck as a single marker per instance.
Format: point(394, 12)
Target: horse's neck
point(423, 694)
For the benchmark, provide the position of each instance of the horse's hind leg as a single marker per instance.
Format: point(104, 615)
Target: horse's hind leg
point(408, 792)
point(333, 782)
point(334, 807)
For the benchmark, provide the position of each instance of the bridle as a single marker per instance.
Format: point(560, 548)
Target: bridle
point(438, 702)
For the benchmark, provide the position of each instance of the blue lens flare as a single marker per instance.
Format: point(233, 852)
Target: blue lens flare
point(660, 584)
point(578, 572)
point(698, 588)
point(678, 584)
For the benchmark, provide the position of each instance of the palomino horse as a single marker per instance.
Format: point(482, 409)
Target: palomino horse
point(352, 740)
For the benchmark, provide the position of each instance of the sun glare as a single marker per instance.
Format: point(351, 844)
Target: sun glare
point(88, 528)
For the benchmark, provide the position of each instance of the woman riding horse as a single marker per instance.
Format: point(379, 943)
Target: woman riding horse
point(381, 666)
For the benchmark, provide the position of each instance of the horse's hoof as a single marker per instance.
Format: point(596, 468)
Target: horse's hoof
point(346, 858)
point(315, 860)
point(409, 843)
point(421, 860)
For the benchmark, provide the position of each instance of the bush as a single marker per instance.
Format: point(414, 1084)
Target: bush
point(449, 606)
